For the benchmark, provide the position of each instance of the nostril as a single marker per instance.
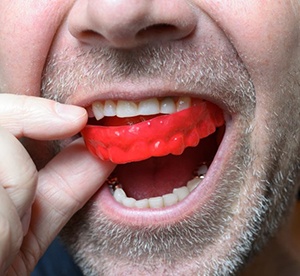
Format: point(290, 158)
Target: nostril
point(156, 29)
point(130, 23)
point(159, 31)
point(87, 35)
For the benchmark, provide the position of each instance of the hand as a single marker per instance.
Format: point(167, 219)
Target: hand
point(34, 206)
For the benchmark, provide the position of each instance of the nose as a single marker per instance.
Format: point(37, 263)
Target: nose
point(130, 23)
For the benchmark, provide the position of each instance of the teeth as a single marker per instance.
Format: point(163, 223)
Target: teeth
point(98, 110)
point(151, 106)
point(181, 193)
point(142, 203)
point(192, 184)
point(156, 202)
point(128, 202)
point(202, 170)
point(126, 109)
point(109, 108)
point(176, 196)
point(119, 194)
point(167, 106)
point(183, 103)
point(170, 199)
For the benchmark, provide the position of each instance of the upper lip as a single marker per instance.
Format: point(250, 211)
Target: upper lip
point(119, 93)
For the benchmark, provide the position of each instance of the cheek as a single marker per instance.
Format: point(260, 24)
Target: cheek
point(264, 33)
point(266, 37)
point(26, 34)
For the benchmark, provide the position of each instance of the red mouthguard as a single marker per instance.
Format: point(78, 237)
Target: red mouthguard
point(159, 136)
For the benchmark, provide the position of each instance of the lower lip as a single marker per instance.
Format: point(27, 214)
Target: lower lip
point(173, 214)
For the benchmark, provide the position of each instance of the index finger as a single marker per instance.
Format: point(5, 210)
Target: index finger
point(40, 118)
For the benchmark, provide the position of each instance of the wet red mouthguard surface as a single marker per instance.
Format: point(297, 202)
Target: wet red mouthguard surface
point(159, 136)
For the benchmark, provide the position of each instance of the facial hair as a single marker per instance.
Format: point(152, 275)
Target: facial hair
point(236, 221)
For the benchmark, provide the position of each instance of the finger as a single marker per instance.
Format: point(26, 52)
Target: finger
point(18, 173)
point(64, 186)
point(25, 221)
point(10, 231)
point(40, 118)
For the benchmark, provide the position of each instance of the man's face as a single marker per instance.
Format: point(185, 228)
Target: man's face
point(242, 56)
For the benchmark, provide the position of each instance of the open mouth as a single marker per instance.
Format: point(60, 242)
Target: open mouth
point(164, 147)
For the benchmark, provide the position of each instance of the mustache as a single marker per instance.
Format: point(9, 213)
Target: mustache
point(187, 68)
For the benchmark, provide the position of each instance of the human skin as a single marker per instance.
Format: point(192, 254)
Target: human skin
point(55, 49)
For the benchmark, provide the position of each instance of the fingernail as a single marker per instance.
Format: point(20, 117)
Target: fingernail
point(69, 112)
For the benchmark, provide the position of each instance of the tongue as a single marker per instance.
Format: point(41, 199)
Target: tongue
point(160, 175)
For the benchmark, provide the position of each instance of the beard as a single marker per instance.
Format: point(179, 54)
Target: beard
point(104, 247)
point(244, 211)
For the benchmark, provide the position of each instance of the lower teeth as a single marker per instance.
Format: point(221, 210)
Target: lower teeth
point(166, 200)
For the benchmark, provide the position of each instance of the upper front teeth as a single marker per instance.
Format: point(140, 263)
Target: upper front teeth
point(151, 106)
